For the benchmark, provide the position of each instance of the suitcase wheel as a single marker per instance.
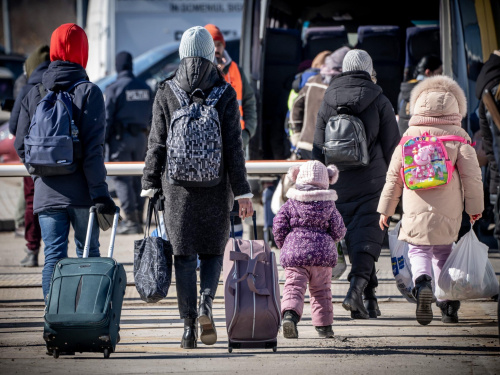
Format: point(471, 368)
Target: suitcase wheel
point(55, 353)
point(274, 349)
point(106, 352)
point(230, 349)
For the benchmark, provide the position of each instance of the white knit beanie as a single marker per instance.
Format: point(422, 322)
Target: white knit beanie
point(197, 42)
point(357, 59)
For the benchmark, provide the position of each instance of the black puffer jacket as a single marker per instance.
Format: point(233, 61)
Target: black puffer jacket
point(197, 218)
point(359, 189)
point(489, 78)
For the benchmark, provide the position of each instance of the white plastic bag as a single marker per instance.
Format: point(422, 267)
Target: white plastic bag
point(401, 268)
point(467, 273)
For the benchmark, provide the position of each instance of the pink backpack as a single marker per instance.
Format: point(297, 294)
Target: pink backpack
point(425, 161)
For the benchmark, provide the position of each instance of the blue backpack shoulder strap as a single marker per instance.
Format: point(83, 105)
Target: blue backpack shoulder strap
point(216, 94)
point(76, 84)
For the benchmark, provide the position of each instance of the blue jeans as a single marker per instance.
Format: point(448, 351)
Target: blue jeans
point(54, 224)
point(185, 280)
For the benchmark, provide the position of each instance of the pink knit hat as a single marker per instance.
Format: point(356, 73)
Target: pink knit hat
point(313, 173)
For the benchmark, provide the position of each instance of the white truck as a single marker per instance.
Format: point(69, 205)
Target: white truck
point(137, 26)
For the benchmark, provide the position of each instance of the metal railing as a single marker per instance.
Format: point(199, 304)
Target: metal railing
point(254, 167)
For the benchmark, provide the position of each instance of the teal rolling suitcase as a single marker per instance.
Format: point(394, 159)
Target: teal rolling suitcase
point(85, 302)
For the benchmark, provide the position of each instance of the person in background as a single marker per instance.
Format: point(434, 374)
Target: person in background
point(129, 102)
point(359, 189)
point(244, 94)
point(432, 217)
point(197, 218)
point(307, 69)
point(428, 66)
point(306, 106)
point(35, 65)
point(306, 229)
point(64, 200)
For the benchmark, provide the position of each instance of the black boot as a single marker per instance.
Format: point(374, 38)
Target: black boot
point(190, 334)
point(371, 303)
point(424, 296)
point(208, 334)
point(325, 332)
point(290, 320)
point(449, 311)
point(353, 301)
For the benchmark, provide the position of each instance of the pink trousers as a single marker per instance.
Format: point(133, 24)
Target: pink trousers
point(428, 260)
point(320, 281)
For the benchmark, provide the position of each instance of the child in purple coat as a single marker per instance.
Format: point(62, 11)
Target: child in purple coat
point(306, 229)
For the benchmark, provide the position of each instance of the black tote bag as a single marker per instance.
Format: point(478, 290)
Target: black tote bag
point(152, 260)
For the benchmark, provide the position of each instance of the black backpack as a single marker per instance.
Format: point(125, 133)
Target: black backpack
point(345, 141)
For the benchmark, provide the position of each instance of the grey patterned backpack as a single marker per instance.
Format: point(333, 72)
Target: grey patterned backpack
point(194, 141)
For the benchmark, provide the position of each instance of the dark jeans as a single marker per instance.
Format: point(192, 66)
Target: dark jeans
point(32, 232)
point(185, 280)
point(55, 225)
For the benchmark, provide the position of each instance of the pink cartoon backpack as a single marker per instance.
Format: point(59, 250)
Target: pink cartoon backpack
point(425, 161)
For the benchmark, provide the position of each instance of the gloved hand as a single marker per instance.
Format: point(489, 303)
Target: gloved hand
point(105, 205)
point(150, 193)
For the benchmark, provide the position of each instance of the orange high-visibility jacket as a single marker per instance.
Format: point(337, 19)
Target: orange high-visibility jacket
point(233, 77)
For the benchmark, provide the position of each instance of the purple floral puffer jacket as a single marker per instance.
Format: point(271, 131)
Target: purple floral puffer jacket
point(306, 233)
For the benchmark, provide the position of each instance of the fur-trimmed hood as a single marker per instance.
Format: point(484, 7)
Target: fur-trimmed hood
point(312, 195)
point(438, 98)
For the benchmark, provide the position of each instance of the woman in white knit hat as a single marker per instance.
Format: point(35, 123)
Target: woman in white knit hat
point(359, 189)
point(197, 218)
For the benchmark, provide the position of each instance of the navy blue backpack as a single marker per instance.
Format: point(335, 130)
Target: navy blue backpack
point(52, 146)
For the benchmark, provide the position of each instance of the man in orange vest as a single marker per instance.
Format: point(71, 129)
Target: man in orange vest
point(235, 77)
point(245, 96)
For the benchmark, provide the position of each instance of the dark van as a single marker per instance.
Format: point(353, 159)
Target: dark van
point(277, 36)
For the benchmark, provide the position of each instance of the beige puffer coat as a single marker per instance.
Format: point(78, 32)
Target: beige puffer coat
point(434, 216)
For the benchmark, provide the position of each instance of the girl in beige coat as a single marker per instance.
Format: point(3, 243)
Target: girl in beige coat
point(432, 218)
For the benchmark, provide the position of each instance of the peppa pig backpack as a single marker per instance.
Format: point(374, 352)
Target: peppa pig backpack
point(425, 161)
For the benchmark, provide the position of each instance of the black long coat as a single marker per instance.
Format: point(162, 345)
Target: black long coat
point(359, 189)
point(197, 218)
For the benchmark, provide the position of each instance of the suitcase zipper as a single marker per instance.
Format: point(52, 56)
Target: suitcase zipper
point(253, 325)
point(235, 276)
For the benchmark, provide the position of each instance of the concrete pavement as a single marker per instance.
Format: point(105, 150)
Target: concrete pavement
point(150, 333)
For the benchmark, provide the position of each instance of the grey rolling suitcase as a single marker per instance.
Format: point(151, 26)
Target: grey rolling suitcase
point(85, 301)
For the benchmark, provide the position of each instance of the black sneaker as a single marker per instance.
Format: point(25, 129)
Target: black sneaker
point(290, 320)
point(424, 296)
point(325, 332)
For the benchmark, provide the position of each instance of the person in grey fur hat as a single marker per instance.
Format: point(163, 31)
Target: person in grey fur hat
point(197, 218)
point(359, 189)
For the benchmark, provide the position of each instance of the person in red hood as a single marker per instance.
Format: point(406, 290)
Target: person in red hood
point(69, 43)
point(64, 200)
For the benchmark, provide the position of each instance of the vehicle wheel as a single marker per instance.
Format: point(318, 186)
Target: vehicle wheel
point(106, 353)
point(55, 353)
point(275, 348)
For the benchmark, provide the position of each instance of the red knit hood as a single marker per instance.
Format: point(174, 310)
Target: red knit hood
point(69, 43)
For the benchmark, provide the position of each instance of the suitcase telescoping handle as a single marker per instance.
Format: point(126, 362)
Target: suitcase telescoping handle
point(89, 232)
point(232, 214)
